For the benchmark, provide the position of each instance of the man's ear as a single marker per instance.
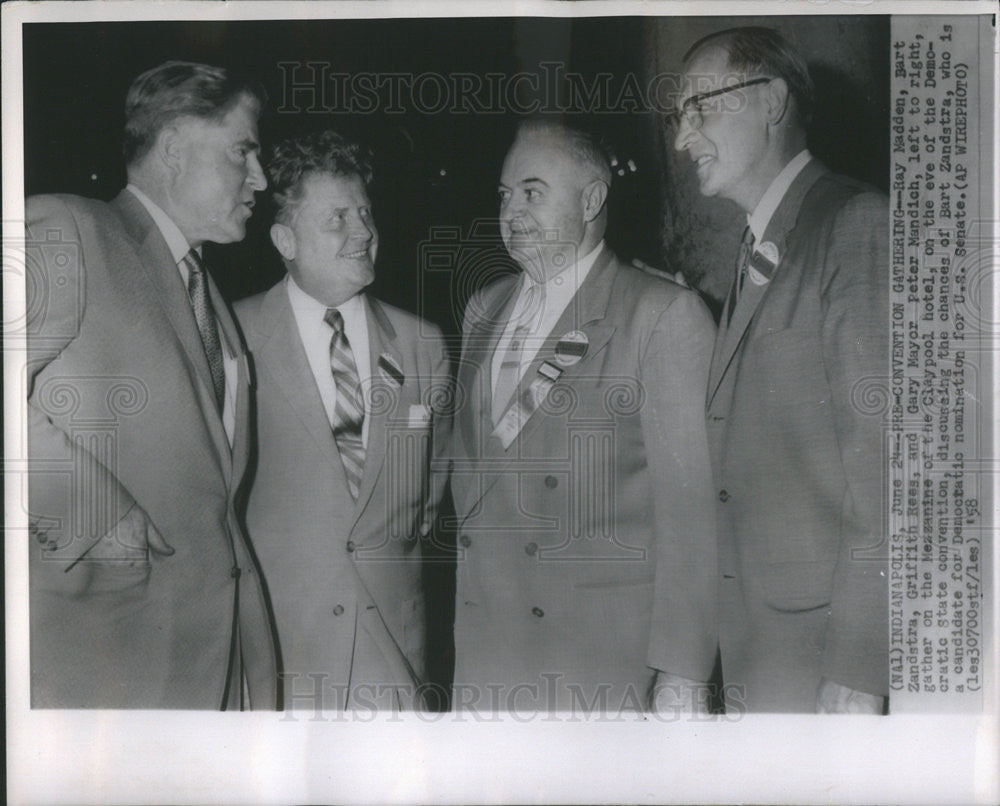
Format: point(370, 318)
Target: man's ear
point(169, 147)
point(776, 99)
point(284, 240)
point(594, 196)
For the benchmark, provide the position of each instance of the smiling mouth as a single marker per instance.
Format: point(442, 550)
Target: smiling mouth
point(703, 160)
point(520, 232)
point(354, 255)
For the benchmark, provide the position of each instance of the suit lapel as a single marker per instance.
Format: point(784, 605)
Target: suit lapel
point(162, 273)
point(475, 373)
point(474, 382)
point(586, 313)
point(234, 342)
point(383, 388)
point(730, 337)
point(281, 351)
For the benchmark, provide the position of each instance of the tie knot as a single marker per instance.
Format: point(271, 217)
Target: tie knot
point(193, 261)
point(334, 319)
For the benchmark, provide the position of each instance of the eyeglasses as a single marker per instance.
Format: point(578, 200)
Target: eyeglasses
point(694, 108)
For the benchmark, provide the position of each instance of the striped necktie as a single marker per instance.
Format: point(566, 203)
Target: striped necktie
point(204, 317)
point(349, 412)
point(742, 264)
point(510, 366)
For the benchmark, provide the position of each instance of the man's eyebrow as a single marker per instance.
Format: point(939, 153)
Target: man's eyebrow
point(533, 179)
point(250, 143)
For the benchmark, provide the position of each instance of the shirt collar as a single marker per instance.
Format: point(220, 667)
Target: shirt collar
point(761, 216)
point(176, 242)
point(570, 279)
point(312, 309)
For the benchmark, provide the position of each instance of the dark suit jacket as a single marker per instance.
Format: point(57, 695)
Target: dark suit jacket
point(797, 452)
point(121, 412)
point(587, 548)
point(345, 576)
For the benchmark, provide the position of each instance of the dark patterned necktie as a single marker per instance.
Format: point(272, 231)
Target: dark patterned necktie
point(742, 265)
point(204, 317)
point(349, 412)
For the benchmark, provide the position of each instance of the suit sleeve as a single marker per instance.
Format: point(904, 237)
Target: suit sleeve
point(74, 499)
point(674, 375)
point(855, 352)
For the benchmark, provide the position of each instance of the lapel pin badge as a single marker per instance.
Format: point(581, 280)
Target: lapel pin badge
point(763, 263)
point(387, 364)
point(571, 347)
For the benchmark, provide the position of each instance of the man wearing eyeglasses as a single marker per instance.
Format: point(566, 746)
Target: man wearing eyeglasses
point(797, 459)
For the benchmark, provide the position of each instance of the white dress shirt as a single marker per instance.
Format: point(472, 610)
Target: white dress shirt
point(316, 335)
point(761, 216)
point(179, 247)
point(556, 294)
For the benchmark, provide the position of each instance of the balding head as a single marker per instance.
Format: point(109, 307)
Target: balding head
point(553, 189)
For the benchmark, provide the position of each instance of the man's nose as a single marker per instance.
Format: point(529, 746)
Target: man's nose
point(255, 173)
point(363, 230)
point(685, 134)
point(512, 215)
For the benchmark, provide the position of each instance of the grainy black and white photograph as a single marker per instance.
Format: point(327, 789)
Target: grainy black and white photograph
point(568, 401)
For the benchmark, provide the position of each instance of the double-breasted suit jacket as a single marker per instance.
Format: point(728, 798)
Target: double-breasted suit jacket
point(587, 546)
point(122, 413)
point(345, 576)
point(797, 451)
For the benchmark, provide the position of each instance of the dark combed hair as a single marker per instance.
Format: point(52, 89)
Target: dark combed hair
point(758, 51)
point(324, 152)
point(586, 147)
point(178, 89)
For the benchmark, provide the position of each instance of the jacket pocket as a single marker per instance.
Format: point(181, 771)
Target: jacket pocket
point(793, 587)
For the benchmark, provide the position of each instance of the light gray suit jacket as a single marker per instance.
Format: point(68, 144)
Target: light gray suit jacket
point(797, 453)
point(587, 548)
point(121, 412)
point(345, 576)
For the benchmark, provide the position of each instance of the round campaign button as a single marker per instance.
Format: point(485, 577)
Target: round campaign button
point(571, 347)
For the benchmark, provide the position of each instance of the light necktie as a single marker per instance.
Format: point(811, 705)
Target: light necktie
point(349, 412)
point(510, 365)
point(204, 317)
point(742, 264)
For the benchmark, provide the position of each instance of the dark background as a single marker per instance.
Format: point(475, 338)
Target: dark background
point(436, 174)
point(76, 77)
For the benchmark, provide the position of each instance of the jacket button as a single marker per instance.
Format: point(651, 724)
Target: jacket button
point(531, 549)
point(235, 572)
point(350, 546)
point(537, 611)
point(43, 537)
point(723, 496)
point(338, 610)
point(465, 540)
point(551, 482)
